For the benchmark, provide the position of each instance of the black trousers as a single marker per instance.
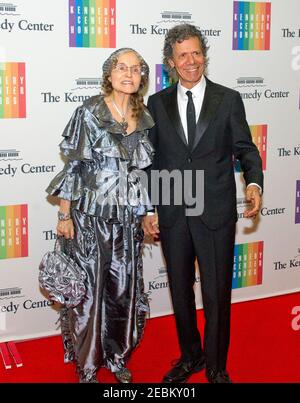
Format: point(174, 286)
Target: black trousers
point(187, 240)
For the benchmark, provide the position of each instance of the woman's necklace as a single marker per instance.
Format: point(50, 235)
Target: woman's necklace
point(124, 122)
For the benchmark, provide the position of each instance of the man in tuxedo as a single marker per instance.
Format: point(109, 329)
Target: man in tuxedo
point(200, 126)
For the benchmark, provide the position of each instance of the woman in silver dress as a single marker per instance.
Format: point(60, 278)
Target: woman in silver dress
point(102, 202)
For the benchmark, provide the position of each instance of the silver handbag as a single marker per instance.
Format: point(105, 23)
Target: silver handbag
point(61, 276)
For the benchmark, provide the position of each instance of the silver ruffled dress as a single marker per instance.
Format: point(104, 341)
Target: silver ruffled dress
point(102, 179)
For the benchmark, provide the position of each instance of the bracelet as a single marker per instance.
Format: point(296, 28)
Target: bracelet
point(63, 216)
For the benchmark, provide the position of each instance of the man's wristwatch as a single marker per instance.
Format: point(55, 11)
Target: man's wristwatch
point(63, 216)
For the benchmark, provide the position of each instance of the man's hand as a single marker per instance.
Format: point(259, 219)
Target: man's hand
point(254, 197)
point(150, 225)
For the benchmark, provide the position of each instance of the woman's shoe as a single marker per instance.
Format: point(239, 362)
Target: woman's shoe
point(123, 375)
point(87, 376)
point(93, 379)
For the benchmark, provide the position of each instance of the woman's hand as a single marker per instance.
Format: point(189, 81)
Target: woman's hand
point(150, 225)
point(65, 229)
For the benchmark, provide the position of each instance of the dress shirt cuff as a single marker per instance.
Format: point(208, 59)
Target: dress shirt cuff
point(255, 184)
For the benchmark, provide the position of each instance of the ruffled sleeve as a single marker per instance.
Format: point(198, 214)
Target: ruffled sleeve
point(76, 144)
point(67, 184)
point(143, 153)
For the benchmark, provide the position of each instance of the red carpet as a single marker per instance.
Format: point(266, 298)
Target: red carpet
point(264, 348)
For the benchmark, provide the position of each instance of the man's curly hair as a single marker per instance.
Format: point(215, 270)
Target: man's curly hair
point(180, 33)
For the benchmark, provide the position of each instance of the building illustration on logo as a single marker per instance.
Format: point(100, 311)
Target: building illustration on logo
point(85, 83)
point(7, 9)
point(12, 90)
point(92, 23)
point(6, 293)
point(250, 82)
point(88, 82)
point(84, 88)
point(251, 25)
point(297, 210)
point(12, 154)
point(259, 137)
point(162, 271)
point(248, 264)
point(162, 78)
point(13, 231)
point(176, 15)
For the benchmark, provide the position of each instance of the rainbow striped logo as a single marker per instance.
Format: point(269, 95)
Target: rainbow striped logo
point(297, 213)
point(13, 231)
point(163, 80)
point(259, 137)
point(251, 25)
point(248, 264)
point(92, 23)
point(12, 90)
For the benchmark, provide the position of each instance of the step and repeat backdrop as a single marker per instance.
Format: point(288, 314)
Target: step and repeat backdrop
point(51, 54)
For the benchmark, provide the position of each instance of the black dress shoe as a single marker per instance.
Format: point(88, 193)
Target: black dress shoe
point(217, 376)
point(183, 370)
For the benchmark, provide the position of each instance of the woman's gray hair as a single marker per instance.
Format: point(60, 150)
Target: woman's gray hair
point(180, 33)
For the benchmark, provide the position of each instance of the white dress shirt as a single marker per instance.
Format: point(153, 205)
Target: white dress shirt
point(182, 99)
point(198, 92)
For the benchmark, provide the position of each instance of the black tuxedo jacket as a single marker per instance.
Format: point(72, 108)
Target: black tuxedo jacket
point(221, 133)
